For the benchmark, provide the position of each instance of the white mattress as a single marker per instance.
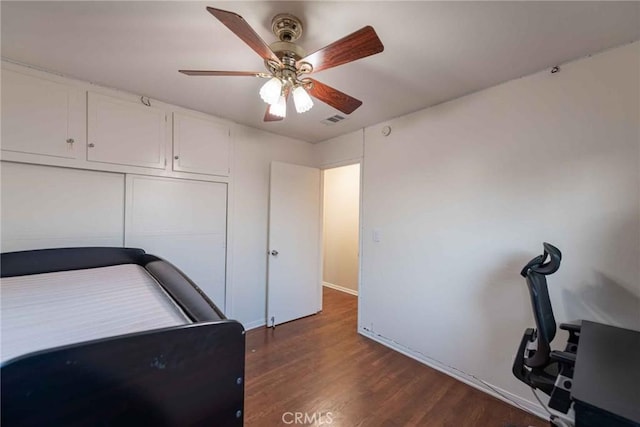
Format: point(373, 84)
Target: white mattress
point(52, 309)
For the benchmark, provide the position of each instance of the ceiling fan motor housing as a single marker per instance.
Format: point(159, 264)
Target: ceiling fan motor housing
point(287, 28)
point(287, 49)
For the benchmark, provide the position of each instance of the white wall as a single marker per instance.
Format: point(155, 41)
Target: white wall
point(465, 193)
point(340, 223)
point(254, 150)
point(340, 150)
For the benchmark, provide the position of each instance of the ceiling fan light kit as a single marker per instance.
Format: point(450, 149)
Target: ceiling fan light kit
point(302, 100)
point(288, 64)
point(279, 109)
point(271, 91)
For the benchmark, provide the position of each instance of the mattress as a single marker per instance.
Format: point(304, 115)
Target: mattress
point(47, 310)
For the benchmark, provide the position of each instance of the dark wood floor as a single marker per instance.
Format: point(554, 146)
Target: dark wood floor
point(320, 367)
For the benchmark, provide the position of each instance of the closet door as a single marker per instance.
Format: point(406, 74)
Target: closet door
point(184, 222)
point(50, 207)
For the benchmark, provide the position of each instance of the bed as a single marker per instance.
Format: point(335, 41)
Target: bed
point(114, 336)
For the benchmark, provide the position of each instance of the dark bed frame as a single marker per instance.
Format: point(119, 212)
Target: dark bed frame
point(187, 375)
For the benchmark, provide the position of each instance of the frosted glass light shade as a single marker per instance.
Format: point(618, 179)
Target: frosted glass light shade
point(302, 100)
point(280, 108)
point(270, 91)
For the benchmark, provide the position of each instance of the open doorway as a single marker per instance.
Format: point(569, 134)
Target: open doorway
point(341, 225)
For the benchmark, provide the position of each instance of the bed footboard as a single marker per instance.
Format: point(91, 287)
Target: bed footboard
point(188, 375)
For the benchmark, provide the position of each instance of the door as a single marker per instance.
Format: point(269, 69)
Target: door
point(51, 207)
point(200, 145)
point(125, 133)
point(184, 222)
point(41, 117)
point(294, 243)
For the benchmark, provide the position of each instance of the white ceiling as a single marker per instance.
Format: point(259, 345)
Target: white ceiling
point(434, 51)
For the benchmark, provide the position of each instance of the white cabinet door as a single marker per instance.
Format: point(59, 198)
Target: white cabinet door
point(51, 207)
point(125, 133)
point(184, 222)
point(41, 116)
point(200, 145)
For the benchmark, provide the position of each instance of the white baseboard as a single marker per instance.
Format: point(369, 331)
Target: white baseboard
point(255, 324)
point(340, 288)
point(505, 396)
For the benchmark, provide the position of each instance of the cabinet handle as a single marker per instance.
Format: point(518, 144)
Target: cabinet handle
point(91, 145)
point(176, 157)
point(70, 141)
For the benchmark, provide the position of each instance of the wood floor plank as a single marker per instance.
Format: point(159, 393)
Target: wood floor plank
point(320, 366)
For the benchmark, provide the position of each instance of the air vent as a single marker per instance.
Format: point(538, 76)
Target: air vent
point(333, 119)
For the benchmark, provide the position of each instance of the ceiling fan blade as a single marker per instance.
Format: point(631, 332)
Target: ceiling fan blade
point(220, 73)
point(362, 43)
point(268, 117)
point(240, 28)
point(338, 100)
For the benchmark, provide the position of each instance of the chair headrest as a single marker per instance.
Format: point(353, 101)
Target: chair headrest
point(538, 264)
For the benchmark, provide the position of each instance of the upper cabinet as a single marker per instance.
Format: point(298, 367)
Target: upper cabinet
point(52, 120)
point(125, 133)
point(41, 116)
point(200, 145)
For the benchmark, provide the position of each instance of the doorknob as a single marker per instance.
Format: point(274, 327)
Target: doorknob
point(274, 252)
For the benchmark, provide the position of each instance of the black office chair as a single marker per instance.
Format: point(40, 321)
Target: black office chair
point(536, 364)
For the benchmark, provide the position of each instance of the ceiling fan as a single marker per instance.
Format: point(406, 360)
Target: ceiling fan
point(288, 65)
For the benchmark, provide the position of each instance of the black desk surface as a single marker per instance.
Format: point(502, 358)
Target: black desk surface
point(607, 370)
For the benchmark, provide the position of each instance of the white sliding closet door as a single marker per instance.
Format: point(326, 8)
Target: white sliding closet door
point(50, 207)
point(184, 222)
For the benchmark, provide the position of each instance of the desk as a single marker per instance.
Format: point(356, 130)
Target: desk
point(606, 380)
